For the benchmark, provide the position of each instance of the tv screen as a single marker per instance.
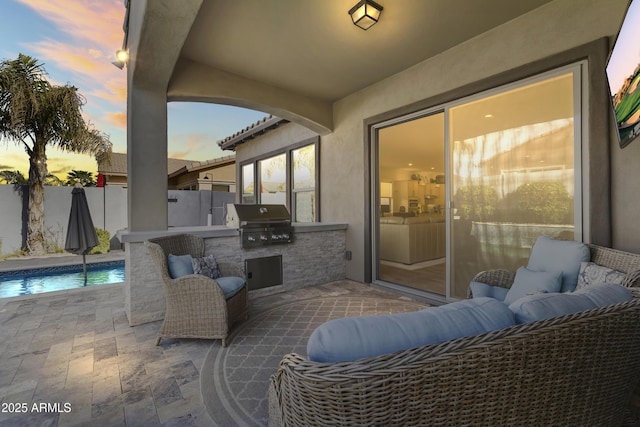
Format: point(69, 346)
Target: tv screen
point(623, 74)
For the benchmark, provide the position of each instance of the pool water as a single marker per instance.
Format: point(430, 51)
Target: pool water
point(39, 280)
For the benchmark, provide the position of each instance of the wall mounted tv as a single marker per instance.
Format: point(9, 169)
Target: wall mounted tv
point(623, 74)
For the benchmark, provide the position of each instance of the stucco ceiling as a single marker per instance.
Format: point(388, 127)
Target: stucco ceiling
point(310, 47)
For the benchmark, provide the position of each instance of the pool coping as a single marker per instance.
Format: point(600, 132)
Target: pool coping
point(55, 260)
point(58, 269)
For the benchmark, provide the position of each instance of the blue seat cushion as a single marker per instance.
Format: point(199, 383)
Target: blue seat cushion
point(479, 290)
point(230, 285)
point(354, 338)
point(545, 306)
point(179, 265)
point(531, 282)
point(559, 255)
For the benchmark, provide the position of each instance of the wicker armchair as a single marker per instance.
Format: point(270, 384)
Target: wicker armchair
point(196, 306)
point(626, 262)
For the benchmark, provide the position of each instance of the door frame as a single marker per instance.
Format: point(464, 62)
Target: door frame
point(595, 162)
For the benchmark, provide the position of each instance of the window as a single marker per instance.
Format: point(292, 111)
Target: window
point(273, 180)
point(304, 183)
point(248, 184)
point(286, 178)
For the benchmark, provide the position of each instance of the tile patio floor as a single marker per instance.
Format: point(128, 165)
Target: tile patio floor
point(75, 349)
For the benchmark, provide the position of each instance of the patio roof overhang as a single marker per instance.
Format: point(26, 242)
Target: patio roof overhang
point(289, 58)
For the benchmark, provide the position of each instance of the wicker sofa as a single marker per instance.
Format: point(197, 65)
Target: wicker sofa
point(579, 369)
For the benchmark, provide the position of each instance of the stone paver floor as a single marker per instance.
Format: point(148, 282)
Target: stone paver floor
point(70, 358)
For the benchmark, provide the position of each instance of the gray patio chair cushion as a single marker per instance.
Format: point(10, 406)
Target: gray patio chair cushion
point(559, 255)
point(545, 306)
point(532, 282)
point(353, 338)
point(179, 265)
point(230, 285)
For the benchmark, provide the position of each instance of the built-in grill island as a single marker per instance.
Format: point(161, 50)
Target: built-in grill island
point(261, 225)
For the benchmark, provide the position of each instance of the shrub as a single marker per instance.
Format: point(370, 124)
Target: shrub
point(476, 202)
point(539, 203)
point(105, 242)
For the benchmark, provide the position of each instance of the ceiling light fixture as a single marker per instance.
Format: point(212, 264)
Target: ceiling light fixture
point(122, 56)
point(365, 13)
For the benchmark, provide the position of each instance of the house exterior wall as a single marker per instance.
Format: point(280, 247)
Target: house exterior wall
point(554, 28)
point(273, 141)
point(548, 30)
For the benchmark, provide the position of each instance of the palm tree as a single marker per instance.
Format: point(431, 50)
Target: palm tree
point(13, 177)
point(53, 181)
point(83, 177)
point(34, 114)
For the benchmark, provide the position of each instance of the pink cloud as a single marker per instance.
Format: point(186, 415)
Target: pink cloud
point(97, 22)
point(118, 120)
point(197, 146)
point(94, 32)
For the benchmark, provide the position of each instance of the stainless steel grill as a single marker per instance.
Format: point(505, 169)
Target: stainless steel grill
point(262, 225)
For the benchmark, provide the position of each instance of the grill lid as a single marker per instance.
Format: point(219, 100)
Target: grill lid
point(243, 214)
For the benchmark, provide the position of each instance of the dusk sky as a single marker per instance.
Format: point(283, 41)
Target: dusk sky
point(76, 41)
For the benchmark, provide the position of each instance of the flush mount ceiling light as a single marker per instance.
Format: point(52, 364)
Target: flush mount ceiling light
point(365, 13)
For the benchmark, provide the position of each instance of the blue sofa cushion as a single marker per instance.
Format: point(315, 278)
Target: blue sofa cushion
point(480, 290)
point(559, 255)
point(531, 282)
point(230, 285)
point(206, 266)
point(179, 265)
point(354, 338)
point(544, 306)
point(592, 273)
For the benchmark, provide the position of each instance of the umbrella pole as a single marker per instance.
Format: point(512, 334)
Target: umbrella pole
point(84, 267)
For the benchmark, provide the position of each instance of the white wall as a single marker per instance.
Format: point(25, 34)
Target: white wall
point(108, 207)
point(57, 205)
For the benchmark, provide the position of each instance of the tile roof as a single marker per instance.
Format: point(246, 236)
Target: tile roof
point(207, 164)
point(258, 128)
point(118, 164)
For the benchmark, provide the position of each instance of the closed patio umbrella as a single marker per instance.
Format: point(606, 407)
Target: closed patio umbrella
point(81, 235)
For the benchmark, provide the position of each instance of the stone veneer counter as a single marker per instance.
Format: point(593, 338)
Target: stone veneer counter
point(316, 256)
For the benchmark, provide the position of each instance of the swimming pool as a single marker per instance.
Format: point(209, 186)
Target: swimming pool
point(39, 280)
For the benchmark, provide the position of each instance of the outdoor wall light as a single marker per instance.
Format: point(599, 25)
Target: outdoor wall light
point(365, 13)
point(122, 57)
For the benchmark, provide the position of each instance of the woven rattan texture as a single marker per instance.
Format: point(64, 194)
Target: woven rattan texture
point(577, 370)
point(196, 307)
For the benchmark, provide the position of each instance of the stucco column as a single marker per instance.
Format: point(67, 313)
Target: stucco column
point(147, 159)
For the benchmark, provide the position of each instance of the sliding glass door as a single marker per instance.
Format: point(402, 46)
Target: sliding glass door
point(512, 175)
point(411, 221)
point(471, 185)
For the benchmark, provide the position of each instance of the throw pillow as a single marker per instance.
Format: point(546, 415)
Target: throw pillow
point(529, 282)
point(206, 266)
point(593, 274)
point(179, 265)
point(559, 255)
point(479, 289)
